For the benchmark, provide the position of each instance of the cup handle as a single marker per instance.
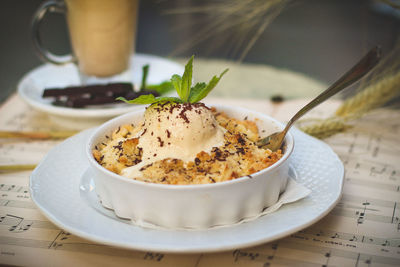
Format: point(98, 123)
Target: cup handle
point(48, 6)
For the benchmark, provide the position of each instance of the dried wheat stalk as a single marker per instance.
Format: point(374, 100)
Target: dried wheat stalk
point(16, 168)
point(376, 90)
point(37, 135)
point(371, 97)
point(234, 24)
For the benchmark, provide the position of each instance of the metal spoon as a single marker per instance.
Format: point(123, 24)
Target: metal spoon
point(275, 140)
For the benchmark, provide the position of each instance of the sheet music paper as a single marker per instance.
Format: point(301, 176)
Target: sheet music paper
point(362, 230)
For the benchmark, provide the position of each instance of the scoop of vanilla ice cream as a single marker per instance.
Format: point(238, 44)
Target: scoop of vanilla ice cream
point(178, 131)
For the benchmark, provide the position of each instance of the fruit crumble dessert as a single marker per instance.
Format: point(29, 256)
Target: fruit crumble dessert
point(184, 143)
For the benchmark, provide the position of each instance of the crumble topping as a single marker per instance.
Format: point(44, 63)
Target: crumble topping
point(237, 157)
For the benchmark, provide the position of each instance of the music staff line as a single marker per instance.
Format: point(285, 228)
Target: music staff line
point(361, 207)
point(379, 241)
point(326, 252)
point(362, 216)
point(370, 201)
point(268, 259)
point(374, 166)
point(61, 243)
point(14, 222)
point(20, 224)
point(371, 184)
point(17, 204)
point(357, 212)
point(14, 188)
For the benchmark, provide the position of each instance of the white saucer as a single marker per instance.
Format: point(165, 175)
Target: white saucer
point(32, 85)
point(60, 186)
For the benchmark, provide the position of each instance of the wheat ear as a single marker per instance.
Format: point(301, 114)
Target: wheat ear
point(371, 97)
point(325, 128)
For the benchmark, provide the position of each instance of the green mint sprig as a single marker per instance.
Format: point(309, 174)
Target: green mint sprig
point(161, 88)
point(183, 86)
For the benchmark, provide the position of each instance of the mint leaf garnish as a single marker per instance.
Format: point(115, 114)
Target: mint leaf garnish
point(176, 81)
point(161, 88)
point(201, 90)
point(196, 91)
point(187, 81)
point(182, 85)
point(144, 76)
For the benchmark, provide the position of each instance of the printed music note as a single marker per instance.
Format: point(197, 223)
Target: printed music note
point(354, 238)
point(12, 221)
point(153, 256)
point(23, 226)
point(327, 256)
point(237, 254)
point(319, 233)
point(335, 235)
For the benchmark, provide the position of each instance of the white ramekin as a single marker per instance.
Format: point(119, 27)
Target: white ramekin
point(191, 206)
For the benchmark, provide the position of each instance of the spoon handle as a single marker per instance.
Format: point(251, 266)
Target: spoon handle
point(353, 75)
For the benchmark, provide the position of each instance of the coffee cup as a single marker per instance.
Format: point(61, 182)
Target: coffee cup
point(102, 34)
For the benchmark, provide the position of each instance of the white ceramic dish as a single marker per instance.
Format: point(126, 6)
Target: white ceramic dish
point(32, 85)
point(63, 189)
point(191, 206)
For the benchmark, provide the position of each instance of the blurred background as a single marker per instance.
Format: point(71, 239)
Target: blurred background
point(320, 39)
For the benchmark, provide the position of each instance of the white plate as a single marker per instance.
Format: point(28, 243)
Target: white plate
point(32, 85)
point(61, 188)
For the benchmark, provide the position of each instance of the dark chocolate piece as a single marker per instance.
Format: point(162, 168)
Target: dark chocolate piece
point(99, 94)
point(114, 88)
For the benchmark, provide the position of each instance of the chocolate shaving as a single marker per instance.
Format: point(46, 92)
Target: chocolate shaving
point(240, 150)
point(119, 146)
point(136, 161)
point(160, 141)
point(241, 140)
point(182, 113)
point(145, 167)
